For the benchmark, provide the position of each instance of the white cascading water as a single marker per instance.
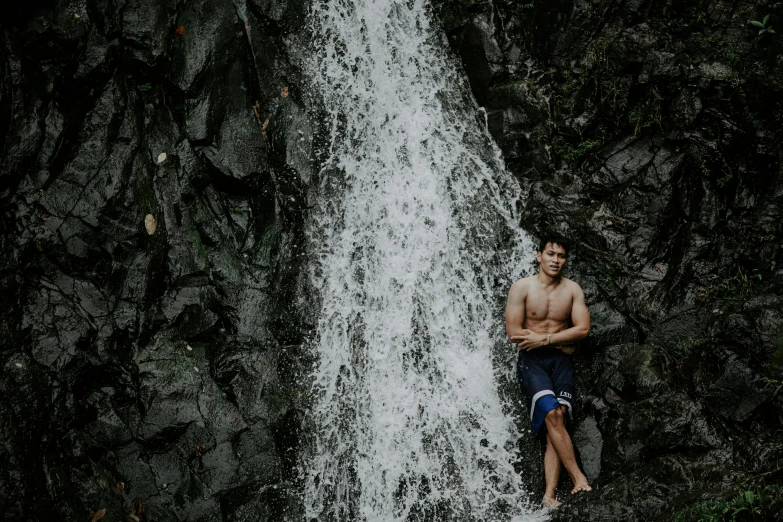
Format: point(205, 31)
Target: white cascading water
point(412, 232)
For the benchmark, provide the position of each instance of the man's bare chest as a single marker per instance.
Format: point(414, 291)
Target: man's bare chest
point(549, 305)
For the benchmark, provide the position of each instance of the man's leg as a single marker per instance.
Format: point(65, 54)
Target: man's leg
point(551, 474)
point(561, 441)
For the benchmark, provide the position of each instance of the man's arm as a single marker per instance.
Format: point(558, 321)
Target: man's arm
point(580, 319)
point(515, 309)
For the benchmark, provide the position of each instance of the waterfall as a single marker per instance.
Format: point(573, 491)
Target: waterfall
point(414, 240)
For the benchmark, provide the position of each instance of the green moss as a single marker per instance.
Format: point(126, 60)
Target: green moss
point(573, 85)
point(597, 57)
point(519, 6)
point(539, 135)
point(725, 50)
point(452, 12)
point(708, 163)
point(691, 343)
point(699, 154)
point(773, 374)
point(573, 154)
point(754, 504)
point(646, 113)
point(732, 289)
point(777, 359)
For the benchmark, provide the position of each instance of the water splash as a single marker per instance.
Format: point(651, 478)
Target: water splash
point(412, 233)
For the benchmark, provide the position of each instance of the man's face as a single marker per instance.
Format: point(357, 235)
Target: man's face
point(552, 260)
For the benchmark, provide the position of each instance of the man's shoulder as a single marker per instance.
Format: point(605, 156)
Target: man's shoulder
point(523, 282)
point(520, 286)
point(572, 285)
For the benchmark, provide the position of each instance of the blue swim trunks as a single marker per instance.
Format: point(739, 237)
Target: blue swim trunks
point(547, 376)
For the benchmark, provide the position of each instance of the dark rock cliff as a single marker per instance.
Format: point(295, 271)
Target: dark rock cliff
point(649, 132)
point(149, 334)
point(158, 375)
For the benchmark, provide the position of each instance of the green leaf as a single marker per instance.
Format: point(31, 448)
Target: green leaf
point(749, 496)
point(762, 31)
point(756, 23)
point(766, 18)
point(769, 30)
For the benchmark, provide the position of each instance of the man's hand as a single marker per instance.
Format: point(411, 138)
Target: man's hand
point(520, 338)
point(529, 340)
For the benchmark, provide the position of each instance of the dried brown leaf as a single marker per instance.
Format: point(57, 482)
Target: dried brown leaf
point(257, 112)
point(162, 157)
point(137, 507)
point(98, 515)
point(200, 447)
point(284, 93)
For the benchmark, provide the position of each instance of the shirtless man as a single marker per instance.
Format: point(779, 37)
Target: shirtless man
point(545, 316)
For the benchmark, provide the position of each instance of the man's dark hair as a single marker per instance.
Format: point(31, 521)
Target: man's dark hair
point(554, 239)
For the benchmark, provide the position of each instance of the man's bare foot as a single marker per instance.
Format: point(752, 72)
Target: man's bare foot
point(581, 485)
point(551, 503)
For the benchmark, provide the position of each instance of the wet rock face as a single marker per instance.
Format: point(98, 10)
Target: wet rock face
point(649, 133)
point(155, 158)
